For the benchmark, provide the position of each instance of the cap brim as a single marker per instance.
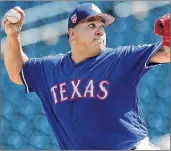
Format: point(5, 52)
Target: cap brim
point(109, 19)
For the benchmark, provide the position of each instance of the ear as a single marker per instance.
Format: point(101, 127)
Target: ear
point(72, 33)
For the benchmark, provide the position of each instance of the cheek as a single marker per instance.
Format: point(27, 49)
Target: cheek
point(85, 37)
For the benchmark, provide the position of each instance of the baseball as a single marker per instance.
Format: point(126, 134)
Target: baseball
point(13, 16)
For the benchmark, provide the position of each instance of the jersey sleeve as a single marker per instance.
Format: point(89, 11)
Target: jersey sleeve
point(136, 60)
point(138, 57)
point(36, 71)
point(31, 74)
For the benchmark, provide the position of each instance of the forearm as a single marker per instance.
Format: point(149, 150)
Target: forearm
point(162, 56)
point(14, 58)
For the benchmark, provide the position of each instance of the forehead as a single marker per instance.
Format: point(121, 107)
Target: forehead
point(90, 19)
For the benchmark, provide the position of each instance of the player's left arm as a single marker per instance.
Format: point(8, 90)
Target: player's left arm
point(162, 56)
point(162, 28)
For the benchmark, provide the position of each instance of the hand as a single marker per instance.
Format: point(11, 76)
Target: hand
point(162, 28)
point(14, 29)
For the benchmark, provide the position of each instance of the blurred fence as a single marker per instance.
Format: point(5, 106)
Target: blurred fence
point(23, 124)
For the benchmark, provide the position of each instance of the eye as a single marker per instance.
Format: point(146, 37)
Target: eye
point(103, 26)
point(92, 25)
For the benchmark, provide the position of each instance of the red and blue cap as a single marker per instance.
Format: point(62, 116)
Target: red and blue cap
point(85, 11)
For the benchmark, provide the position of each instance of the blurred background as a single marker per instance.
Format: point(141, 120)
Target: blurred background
point(23, 123)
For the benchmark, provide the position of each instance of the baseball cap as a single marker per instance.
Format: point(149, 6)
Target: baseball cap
point(85, 11)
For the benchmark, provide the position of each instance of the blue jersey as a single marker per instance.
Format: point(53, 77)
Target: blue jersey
point(92, 104)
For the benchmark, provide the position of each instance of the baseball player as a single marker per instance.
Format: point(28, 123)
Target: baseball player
point(89, 94)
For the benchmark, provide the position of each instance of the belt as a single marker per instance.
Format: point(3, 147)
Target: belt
point(134, 146)
point(144, 144)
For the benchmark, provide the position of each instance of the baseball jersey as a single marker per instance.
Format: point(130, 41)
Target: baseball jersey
point(92, 104)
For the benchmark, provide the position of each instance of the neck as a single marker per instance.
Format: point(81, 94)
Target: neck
point(79, 55)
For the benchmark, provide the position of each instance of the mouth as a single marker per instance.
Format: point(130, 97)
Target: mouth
point(99, 40)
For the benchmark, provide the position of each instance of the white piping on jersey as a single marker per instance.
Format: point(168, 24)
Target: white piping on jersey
point(150, 57)
point(27, 89)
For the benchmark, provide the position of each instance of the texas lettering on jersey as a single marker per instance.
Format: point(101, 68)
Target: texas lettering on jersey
point(60, 90)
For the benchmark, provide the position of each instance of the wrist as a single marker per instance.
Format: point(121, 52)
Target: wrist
point(13, 37)
point(166, 41)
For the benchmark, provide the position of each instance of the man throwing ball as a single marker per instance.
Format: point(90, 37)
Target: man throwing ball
point(89, 94)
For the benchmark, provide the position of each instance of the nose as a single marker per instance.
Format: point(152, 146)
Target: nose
point(100, 32)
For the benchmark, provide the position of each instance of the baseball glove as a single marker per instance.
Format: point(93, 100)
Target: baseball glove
point(162, 28)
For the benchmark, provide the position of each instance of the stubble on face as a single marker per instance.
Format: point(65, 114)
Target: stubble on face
point(89, 36)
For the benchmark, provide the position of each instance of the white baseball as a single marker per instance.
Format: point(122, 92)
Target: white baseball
point(13, 16)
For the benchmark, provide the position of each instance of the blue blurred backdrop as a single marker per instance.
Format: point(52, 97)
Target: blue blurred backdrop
point(23, 124)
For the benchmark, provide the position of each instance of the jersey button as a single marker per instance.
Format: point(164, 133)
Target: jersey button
point(75, 122)
point(74, 69)
point(80, 141)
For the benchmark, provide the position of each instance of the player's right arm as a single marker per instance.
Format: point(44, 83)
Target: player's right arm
point(14, 56)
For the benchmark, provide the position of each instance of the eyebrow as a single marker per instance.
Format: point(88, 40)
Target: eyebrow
point(95, 19)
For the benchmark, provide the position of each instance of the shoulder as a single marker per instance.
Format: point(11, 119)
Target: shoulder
point(128, 48)
point(53, 59)
point(117, 50)
point(47, 61)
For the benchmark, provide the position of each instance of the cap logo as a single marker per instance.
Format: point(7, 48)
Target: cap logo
point(95, 9)
point(74, 18)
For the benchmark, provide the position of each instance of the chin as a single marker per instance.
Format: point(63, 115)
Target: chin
point(101, 46)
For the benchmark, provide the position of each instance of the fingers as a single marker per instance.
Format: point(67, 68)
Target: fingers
point(7, 25)
point(17, 8)
point(4, 21)
point(13, 28)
